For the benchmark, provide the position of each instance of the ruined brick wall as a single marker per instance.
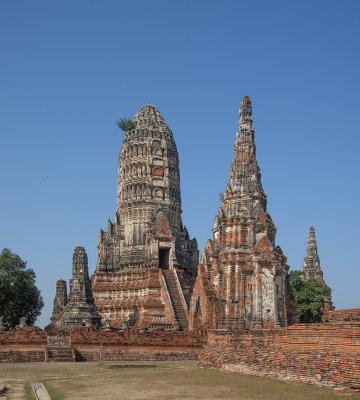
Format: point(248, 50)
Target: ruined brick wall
point(91, 344)
point(95, 345)
point(23, 345)
point(351, 314)
point(326, 354)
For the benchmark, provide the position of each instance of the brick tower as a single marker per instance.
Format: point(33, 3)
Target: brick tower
point(146, 261)
point(60, 299)
point(311, 267)
point(79, 309)
point(242, 278)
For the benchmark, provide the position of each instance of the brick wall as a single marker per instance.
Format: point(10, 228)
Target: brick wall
point(94, 344)
point(352, 314)
point(325, 354)
point(90, 344)
point(22, 345)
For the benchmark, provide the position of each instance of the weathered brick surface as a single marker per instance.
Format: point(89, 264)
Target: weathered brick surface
point(352, 314)
point(30, 335)
point(311, 267)
point(93, 344)
point(90, 344)
point(79, 309)
point(22, 354)
point(242, 279)
point(301, 352)
point(91, 336)
point(147, 235)
point(22, 345)
point(105, 353)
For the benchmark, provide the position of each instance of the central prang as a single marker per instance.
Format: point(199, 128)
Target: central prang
point(147, 236)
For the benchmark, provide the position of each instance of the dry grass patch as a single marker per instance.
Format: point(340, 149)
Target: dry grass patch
point(165, 381)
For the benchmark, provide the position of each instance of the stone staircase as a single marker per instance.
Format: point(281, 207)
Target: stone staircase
point(61, 353)
point(176, 298)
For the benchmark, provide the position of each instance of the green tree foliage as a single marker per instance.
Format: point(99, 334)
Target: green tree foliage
point(19, 297)
point(309, 296)
point(126, 124)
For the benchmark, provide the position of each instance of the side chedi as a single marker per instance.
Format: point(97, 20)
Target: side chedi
point(242, 278)
point(79, 309)
point(147, 262)
point(60, 299)
point(312, 269)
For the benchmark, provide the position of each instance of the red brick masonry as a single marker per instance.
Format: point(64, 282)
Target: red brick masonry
point(90, 344)
point(93, 344)
point(327, 354)
point(22, 345)
point(352, 314)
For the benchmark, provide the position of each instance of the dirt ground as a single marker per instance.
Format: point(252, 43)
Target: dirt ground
point(150, 380)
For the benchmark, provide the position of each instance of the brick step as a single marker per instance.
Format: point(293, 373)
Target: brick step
point(175, 298)
point(60, 353)
point(57, 355)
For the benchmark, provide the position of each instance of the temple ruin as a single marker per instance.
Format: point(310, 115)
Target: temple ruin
point(242, 278)
point(311, 267)
point(79, 309)
point(146, 260)
point(150, 300)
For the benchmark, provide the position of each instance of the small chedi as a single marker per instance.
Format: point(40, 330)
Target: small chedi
point(311, 267)
point(79, 309)
point(242, 278)
point(60, 299)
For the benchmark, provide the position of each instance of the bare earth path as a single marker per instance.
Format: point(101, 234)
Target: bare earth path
point(155, 380)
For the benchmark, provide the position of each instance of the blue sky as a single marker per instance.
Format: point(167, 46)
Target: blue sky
point(70, 69)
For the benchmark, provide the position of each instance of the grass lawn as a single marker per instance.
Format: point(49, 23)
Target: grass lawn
point(175, 380)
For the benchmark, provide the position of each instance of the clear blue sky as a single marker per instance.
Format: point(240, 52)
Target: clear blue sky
point(71, 68)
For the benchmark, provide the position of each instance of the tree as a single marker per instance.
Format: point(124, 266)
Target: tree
point(19, 297)
point(309, 296)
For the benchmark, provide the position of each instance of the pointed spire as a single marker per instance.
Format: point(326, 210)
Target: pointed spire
point(311, 249)
point(311, 267)
point(80, 262)
point(246, 110)
point(244, 174)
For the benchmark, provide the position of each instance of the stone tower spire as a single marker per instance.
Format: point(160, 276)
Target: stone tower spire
point(244, 174)
point(241, 267)
point(79, 309)
point(147, 235)
point(148, 191)
point(148, 174)
point(60, 299)
point(311, 267)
